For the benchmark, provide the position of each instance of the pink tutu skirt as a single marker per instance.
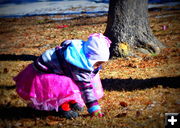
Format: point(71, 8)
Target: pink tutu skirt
point(45, 91)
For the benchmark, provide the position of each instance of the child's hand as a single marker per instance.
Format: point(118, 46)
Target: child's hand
point(97, 113)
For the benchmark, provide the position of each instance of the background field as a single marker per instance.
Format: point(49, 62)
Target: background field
point(138, 91)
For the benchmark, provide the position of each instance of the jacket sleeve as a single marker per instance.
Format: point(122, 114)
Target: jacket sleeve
point(83, 80)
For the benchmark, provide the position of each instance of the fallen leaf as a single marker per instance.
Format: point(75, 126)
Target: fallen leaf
point(5, 70)
point(50, 123)
point(138, 113)
point(123, 104)
point(148, 103)
point(121, 115)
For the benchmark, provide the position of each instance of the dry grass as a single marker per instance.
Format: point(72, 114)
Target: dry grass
point(138, 92)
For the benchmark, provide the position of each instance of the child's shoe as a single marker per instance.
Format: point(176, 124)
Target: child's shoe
point(66, 111)
point(75, 106)
point(69, 114)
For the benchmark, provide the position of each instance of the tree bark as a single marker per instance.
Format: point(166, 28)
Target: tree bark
point(128, 28)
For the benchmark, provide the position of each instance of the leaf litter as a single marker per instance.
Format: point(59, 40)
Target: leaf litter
point(142, 106)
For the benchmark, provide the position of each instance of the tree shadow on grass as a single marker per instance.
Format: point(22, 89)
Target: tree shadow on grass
point(7, 87)
point(132, 84)
point(15, 113)
point(13, 57)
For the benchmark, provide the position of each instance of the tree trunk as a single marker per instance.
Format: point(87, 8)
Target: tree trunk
point(128, 28)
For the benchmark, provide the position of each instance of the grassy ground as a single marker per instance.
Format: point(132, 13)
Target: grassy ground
point(138, 91)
